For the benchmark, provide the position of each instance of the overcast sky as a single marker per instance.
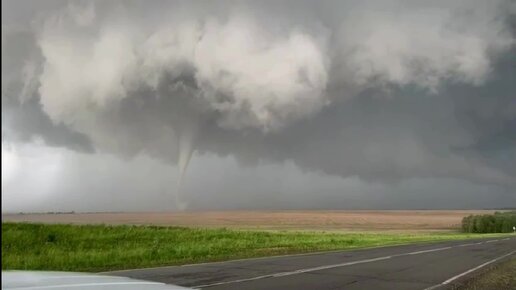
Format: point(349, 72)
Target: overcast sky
point(167, 105)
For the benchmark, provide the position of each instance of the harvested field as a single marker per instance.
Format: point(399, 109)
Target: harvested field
point(341, 220)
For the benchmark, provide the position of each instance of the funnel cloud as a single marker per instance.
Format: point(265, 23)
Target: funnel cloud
point(137, 105)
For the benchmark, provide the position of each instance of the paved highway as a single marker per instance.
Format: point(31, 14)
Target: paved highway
point(423, 266)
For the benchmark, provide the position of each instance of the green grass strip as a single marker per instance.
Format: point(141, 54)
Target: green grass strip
point(101, 247)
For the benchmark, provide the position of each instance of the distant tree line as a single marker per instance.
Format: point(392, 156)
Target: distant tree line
point(499, 222)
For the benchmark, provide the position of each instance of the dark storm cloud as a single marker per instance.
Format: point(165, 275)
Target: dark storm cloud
point(22, 116)
point(383, 91)
point(26, 122)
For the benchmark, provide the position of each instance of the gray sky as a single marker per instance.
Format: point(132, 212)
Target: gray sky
point(289, 104)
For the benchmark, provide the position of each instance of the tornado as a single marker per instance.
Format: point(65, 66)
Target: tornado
point(186, 148)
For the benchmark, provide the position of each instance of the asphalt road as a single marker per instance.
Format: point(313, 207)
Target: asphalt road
point(422, 266)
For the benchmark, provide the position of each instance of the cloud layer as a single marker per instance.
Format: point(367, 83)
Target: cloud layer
point(383, 91)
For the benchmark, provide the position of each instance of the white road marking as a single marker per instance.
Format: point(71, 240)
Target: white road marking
point(492, 241)
point(325, 267)
point(87, 285)
point(252, 259)
point(307, 270)
point(300, 271)
point(330, 266)
point(427, 251)
point(472, 244)
point(469, 271)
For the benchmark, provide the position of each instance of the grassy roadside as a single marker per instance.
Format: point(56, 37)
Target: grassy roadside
point(101, 248)
point(500, 277)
